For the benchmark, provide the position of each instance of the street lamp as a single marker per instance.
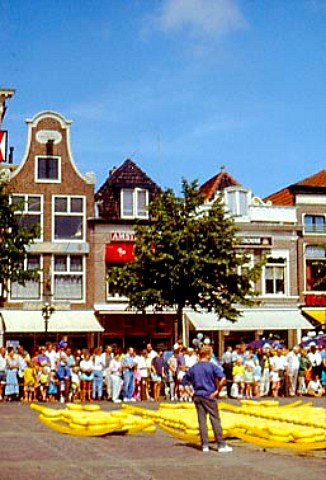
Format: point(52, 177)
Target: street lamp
point(47, 310)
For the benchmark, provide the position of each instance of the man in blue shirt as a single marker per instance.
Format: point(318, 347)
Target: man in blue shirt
point(207, 380)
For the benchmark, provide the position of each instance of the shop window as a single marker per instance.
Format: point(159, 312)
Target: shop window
point(315, 268)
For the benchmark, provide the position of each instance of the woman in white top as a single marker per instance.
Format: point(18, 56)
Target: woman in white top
point(98, 367)
point(115, 378)
point(86, 377)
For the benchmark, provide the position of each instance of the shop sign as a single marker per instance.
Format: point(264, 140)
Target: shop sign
point(312, 300)
point(261, 242)
point(121, 236)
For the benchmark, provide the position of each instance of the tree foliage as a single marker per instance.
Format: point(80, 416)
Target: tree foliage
point(14, 241)
point(186, 256)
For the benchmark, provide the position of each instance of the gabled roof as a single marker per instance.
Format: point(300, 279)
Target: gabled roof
point(314, 184)
point(218, 182)
point(128, 175)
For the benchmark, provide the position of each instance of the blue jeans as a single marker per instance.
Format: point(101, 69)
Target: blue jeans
point(207, 406)
point(97, 389)
point(128, 383)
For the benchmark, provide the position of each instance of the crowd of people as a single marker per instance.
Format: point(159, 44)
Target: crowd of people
point(275, 371)
point(57, 373)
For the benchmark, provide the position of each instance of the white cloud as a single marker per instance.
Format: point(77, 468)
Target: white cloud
point(201, 18)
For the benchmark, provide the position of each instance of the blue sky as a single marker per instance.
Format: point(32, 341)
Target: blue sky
point(180, 86)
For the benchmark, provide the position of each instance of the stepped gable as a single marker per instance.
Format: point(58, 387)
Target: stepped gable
point(286, 197)
point(128, 175)
point(217, 183)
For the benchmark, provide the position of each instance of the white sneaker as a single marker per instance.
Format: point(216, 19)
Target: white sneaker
point(205, 449)
point(117, 400)
point(126, 400)
point(132, 400)
point(225, 449)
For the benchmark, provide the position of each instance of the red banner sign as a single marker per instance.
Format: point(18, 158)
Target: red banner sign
point(119, 252)
point(315, 300)
point(3, 145)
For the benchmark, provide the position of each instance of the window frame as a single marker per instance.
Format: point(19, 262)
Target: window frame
point(310, 258)
point(38, 283)
point(25, 212)
point(69, 213)
point(69, 273)
point(47, 180)
point(237, 191)
point(312, 229)
point(135, 207)
point(286, 271)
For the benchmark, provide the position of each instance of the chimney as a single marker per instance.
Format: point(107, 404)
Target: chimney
point(11, 155)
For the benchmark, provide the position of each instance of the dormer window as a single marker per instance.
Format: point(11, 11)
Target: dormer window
point(134, 203)
point(47, 169)
point(237, 200)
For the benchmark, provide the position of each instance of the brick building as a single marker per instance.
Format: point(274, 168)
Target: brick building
point(54, 194)
point(308, 197)
point(121, 202)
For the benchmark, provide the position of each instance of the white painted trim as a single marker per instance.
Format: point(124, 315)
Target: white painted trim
point(33, 122)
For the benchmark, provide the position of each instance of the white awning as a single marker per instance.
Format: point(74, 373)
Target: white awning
point(65, 321)
point(251, 319)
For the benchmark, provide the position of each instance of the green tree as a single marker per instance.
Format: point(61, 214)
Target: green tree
point(186, 256)
point(14, 241)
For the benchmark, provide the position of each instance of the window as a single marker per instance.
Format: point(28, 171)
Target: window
point(32, 288)
point(112, 290)
point(29, 208)
point(314, 224)
point(48, 169)
point(68, 277)
point(237, 201)
point(315, 268)
point(134, 203)
point(274, 278)
point(69, 218)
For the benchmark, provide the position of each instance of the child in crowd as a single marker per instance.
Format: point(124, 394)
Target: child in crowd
point(249, 380)
point(238, 373)
point(75, 384)
point(44, 383)
point(53, 386)
point(257, 379)
point(30, 381)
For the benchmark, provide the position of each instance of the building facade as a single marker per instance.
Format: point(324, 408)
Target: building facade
point(50, 191)
point(308, 197)
point(121, 202)
point(267, 232)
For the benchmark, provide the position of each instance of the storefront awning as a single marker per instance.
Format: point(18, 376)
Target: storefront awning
point(65, 321)
point(251, 319)
point(119, 252)
point(318, 314)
